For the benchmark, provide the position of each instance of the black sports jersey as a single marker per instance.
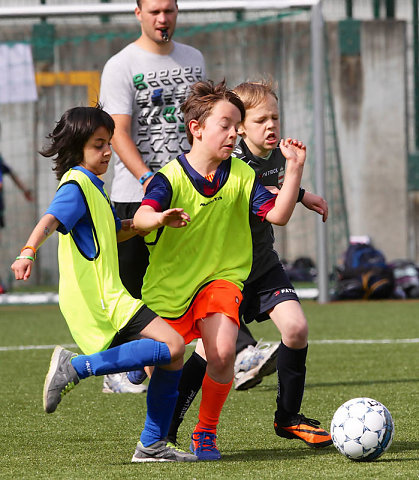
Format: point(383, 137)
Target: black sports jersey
point(270, 172)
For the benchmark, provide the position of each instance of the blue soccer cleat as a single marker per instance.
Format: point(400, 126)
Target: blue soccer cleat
point(204, 447)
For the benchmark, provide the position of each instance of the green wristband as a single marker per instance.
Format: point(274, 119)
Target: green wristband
point(21, 257)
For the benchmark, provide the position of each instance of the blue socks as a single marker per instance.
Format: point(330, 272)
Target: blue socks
point(161, 400)
point(123, 358)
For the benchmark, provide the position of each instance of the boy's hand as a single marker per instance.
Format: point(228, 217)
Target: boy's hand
point(22, 268)
point(128, 224)
point(293, 150)
point(316, 203)
point(175, 218)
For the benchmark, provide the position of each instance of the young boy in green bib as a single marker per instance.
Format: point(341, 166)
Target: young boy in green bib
point(198, 267)
point(115, 332)
point(268, 292)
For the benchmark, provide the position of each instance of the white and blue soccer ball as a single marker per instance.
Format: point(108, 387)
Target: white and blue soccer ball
point(362, 429)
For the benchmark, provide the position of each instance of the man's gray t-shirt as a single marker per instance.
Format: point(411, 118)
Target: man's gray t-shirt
point(150, 88)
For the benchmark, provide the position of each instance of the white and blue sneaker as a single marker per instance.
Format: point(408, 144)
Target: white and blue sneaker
point(119, 383)
point(253, 363)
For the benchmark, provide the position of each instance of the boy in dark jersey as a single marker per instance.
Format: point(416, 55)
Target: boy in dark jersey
point(267, 291)
point(196, 271)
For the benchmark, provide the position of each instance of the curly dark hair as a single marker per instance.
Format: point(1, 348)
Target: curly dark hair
point(71, 134)
point(201, 100)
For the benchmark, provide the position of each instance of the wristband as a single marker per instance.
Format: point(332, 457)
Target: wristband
point(145, 177)
point(20, 257)
point(301, 194)
point(31, 248)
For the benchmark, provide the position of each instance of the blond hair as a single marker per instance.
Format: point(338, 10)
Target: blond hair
point(253, 93)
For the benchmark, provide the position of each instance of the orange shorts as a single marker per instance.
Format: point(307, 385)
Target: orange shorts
point(219, 296)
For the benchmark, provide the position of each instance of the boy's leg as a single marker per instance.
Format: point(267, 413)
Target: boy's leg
point(67, 368)
point(244, 338)
point(133, 261)
point(161, 400)
point(219, 334)
point(189, 385)
point(291, 366)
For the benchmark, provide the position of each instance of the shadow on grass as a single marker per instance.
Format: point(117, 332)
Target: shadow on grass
point(278, 453)
point(363, 383)
point(273, 388)
point(267, 454)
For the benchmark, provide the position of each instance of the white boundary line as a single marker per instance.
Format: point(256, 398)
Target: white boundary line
point(312, 342)
point(51, 297)
point(45, 298)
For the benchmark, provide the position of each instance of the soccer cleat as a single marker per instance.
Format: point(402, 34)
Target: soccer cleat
point(303, 428)
point(254, 363)
point(204, 447)
point(60, 379)
point(161, 451)
point(119, 383)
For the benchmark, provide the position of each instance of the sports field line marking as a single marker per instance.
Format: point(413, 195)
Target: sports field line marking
point(319, 342)
point(360, 341)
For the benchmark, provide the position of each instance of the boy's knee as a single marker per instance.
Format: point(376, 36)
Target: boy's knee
point(296, 336)
point(176, 347)
point(221, 360)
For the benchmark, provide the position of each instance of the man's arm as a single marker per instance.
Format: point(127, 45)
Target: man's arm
point(126, 149)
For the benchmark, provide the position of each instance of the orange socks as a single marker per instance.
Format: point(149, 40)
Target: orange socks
point(214, 395)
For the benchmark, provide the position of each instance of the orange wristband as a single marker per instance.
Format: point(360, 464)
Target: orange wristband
point(31, 248)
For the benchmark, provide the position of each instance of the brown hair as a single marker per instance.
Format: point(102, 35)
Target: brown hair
point(253, 93)
point(201, 100)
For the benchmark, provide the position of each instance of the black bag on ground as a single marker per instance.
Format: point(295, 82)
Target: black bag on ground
point(364, 274)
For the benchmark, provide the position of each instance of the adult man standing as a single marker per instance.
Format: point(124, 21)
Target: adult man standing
point(142, 88)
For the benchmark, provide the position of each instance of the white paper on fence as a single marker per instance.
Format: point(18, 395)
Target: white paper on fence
point(17, 74)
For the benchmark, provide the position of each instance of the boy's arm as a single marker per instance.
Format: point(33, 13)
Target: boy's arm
point(22, 267)
point(316, 203)
point(146, 218)
point(128, 231)
point(295, 153)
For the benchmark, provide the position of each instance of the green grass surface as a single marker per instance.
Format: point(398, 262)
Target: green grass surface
point(93, 435)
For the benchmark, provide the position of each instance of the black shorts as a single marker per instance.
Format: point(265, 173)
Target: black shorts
point(132, 330)
point(261, 295)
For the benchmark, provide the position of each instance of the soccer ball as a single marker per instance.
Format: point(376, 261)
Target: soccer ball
point(362, 429)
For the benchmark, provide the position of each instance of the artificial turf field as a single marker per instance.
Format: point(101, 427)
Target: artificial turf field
point(93, 435)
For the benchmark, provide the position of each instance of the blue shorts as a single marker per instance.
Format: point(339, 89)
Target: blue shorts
point(262, 294)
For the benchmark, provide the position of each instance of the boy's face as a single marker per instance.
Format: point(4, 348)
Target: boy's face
point(260, 129)
point(97, 152)
point(219, 131)
point(156, 16)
